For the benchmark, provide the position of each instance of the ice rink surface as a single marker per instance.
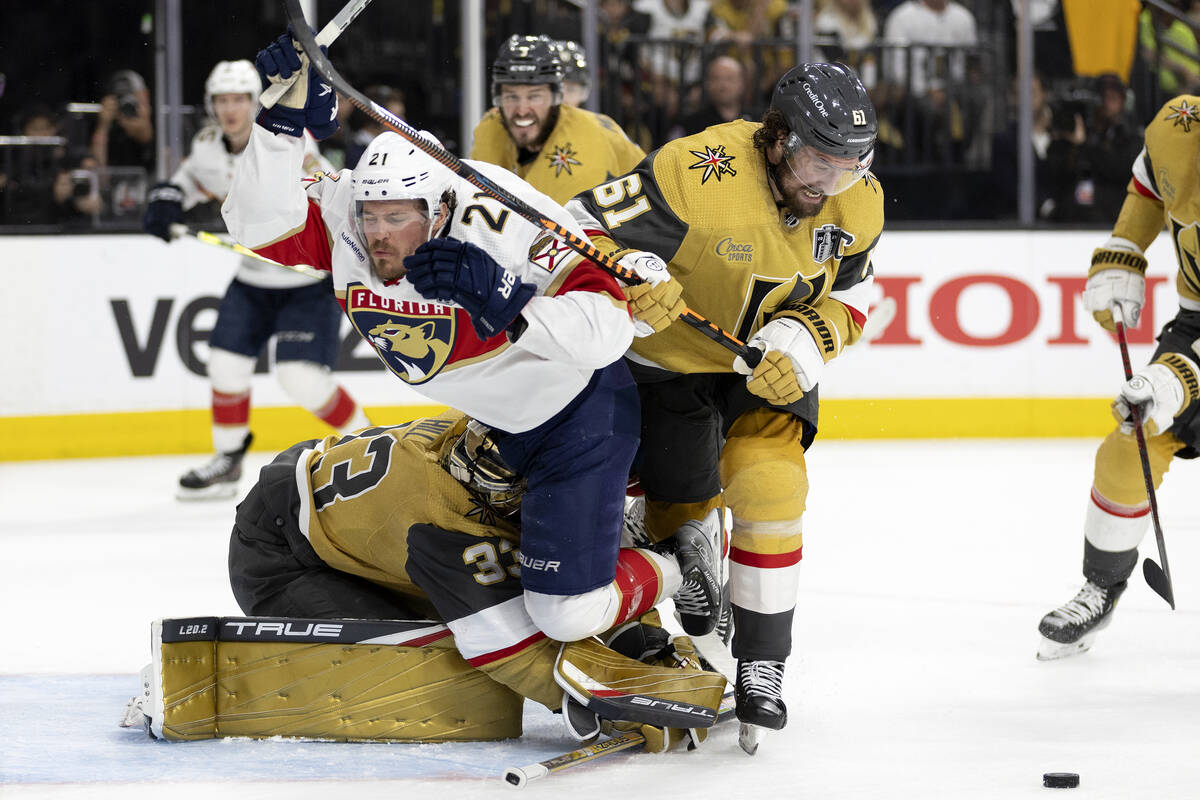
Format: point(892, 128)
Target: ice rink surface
point(926, 568)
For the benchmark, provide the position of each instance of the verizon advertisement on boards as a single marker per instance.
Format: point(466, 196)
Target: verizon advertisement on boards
point(102, 324)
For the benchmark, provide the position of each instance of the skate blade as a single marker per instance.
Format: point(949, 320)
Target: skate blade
point(218, 491)
point(1050, 650)
point(749, 736)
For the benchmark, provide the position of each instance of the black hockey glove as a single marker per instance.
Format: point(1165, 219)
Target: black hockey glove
point(308, 102)
point(462, 273)
point(164, 208)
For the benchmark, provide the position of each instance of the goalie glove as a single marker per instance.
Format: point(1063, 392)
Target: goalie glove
point(1163, 389)
point(656, 303)
point(791, 364)
point(1116, 277)
point(308, 102)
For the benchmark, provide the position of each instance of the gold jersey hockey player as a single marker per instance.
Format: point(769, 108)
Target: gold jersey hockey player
point(769, 228)
point(558, 149)
point(1163, 192)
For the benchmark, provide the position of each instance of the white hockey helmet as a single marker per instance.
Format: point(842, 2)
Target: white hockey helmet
point(393, 168)
point(231, 77)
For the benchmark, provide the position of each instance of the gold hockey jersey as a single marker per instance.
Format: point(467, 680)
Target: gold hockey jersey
point(360, 495)
point(1165, 189)
point(703, 204)
point(584, 149)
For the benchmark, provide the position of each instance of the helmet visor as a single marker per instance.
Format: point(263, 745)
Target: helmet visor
point(821, 172)
point(376, 218)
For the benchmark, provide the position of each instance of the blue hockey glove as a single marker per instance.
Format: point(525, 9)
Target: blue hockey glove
point(309, 102)
point(461, 273)
point(164, 208)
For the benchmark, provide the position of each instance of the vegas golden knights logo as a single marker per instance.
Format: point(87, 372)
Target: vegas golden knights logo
point(1186, 239)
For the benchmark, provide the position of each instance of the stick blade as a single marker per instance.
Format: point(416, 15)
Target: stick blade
point(1157, 580)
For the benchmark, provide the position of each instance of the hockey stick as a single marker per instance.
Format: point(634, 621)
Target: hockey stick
point(179, 229)
point(326, 37)
point(1158, 578)
point(520, 776)
point(303, 35)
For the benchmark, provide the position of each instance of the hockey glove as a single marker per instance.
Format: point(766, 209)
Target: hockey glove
point(657, 302)
point(658, 739)
point(791, 364)
point(1117, 276)
point(308, 102)
point(1163, 389)
point(164, 208)
point(462, 273)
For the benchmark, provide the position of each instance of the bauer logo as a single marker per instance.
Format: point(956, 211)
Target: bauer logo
point(538, 564)
point(413, 339)
point(730, 250)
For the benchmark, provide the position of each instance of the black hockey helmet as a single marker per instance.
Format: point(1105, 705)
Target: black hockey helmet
point(826, 107)
point(574, 61)
point(528, 60)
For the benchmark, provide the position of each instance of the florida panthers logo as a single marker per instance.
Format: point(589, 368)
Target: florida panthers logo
point(413, 339)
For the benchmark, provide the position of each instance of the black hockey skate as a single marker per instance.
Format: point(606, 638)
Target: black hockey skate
point(216, 479)
point(759, 697)
point(698, 546)
point(1070, 629)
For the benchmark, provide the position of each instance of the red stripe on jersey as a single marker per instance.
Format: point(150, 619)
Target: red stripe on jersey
point(590, 232)
point(763, 561)
point(587, 277)
point(1109, 507)
point(309, 246)
point(467, 344)
point(1145, 191)
point(859, 317)
point(421, 641)
point(496, 655)
point(230, 409)
point(638, 584)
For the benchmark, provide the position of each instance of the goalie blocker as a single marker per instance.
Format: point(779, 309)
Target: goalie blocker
point(341, 680)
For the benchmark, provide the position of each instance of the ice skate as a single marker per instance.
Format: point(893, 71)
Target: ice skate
point(216, 479)
point(1070, 629)
point(759, 697)
point(698, 549)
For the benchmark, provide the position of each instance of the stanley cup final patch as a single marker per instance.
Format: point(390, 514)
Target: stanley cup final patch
point(829, 241)
point(413, 339)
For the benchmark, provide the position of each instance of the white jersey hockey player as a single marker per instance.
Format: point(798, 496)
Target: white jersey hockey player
point(482, 310)
point(263, 300)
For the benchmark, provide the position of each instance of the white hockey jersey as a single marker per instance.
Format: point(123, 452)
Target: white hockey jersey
point(576, 323)
point(207, 173)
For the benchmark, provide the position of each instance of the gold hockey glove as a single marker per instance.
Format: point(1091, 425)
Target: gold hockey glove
point(655, 307)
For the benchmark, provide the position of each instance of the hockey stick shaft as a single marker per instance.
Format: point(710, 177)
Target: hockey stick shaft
point(520, 776)
point(1158, 578)
point(447, 159)
point(179, 229)
point(326, 37)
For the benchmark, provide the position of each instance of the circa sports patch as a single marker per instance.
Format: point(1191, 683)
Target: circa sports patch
point(413, 339)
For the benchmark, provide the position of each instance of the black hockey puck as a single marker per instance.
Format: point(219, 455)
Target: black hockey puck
point(1060, 780)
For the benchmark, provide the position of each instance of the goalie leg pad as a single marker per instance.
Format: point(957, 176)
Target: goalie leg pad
point(619, 688)
point(339, 680)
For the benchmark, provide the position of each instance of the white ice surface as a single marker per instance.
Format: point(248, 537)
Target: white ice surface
point(927, 566)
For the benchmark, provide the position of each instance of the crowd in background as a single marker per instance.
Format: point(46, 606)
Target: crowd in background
point(939, 72)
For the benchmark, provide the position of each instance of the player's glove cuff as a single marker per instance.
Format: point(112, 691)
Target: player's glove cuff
point(828, 339)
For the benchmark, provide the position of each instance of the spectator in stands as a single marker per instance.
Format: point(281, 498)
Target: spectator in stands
point(680, 22)
point(124, 133)
point(1114, 139)
point(366, 128)
point(724, 90)
point(1001, 200)
point(1177, 74)
point(743, 23)
point(853, 25)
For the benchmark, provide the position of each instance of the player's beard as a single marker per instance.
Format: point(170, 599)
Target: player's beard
point(543, 130)
point(792, 191)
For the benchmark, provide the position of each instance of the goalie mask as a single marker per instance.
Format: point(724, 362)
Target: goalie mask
point(392, 168)
point(231, 77)
point(832, 126)
point(474, 461)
